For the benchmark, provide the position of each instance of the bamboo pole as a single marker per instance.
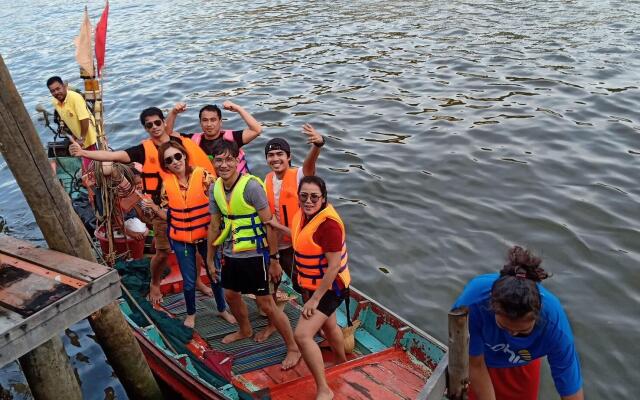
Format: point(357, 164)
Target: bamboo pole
point(64, 232)
point(458, 370)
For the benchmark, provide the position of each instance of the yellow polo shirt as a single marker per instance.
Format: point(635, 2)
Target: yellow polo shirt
point(72, 111)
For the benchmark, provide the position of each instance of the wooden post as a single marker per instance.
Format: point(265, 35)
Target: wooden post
point(458, 371)
point(49, 373)
point(64, 232)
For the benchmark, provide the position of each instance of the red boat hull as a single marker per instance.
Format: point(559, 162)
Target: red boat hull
point(173, 375)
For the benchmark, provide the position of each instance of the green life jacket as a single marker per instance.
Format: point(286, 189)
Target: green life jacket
point(239, 219)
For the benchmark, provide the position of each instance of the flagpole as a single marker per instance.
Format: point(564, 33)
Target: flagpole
point(113, 333)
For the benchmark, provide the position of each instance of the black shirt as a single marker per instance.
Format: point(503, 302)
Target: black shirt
point(137, 154)
point(207, 145)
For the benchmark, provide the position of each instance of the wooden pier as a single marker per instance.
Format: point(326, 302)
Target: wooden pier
point(42, 292)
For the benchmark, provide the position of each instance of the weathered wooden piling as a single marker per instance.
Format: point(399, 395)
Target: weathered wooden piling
point(458, 370)
point(64, 232)
point(47, 367)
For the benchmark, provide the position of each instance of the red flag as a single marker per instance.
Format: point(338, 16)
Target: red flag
point(101, 38)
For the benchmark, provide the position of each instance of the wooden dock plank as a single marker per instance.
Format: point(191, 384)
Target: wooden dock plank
point(9, 319)
point(56, 261)
point(42, 292)
point(26, 293)
point(19, 337)
point(42, 271)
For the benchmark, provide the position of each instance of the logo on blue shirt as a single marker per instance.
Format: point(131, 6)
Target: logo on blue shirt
point(519, 357)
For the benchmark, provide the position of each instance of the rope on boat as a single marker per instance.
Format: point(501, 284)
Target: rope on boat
point(116, 185)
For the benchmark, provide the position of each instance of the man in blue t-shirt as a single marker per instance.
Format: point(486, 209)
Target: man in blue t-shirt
point(513, 323)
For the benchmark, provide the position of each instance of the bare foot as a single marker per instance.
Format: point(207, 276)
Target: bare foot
point(204, 289)
point(324, 394)
point(227, 316)
point(155, 295)
point(291, 360)
point(232, 337)
point(265, 333)
point(190, 321)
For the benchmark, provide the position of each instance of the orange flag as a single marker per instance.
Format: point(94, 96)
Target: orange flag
point(101, 38)
point(84, 53)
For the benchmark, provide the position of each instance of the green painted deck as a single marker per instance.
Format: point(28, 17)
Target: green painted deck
point(248, 355)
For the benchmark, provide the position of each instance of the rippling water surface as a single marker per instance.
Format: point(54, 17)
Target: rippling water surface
point(454, 129)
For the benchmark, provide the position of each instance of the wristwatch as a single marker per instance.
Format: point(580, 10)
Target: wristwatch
point(321, 144)
point(275, 256)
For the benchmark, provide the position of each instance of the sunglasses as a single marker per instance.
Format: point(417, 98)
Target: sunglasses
point(169, 160)
point(150, 125)
point(315, 197)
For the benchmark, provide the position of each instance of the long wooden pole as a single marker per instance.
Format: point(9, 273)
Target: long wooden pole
point(458, 370)
point(49, 372)
point(64, 232)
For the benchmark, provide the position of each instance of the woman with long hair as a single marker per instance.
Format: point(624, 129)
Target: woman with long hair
point(185, 193)
point(514, 322)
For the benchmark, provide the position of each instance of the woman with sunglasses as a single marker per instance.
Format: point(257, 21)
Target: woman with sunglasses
point(318, 236)
point(185, 193)
point(513, 323)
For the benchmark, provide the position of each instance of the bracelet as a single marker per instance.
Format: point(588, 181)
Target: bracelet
point(321, 144)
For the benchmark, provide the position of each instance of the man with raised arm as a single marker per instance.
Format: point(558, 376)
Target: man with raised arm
point(282, 192)
point(210, 118)
point(146, 154)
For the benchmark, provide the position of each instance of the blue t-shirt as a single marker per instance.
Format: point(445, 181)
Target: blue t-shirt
point(550, 337)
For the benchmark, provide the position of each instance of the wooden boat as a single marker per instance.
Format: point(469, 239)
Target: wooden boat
point(392, 359)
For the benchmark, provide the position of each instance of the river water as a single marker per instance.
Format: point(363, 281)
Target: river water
point(454, 130)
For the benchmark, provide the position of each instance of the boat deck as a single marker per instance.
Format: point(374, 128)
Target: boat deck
point(247, 354)
point(388, 374)
point(389, 361)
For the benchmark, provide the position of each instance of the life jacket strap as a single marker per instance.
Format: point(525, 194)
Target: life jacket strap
point(186, 210)
point(239, 216)
point(191, 228)
point(155, 193)
point(194, 218)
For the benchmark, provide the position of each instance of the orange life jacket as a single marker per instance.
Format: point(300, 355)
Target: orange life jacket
point(152, 174)
point(189, 215)
point(310, 261)
point(288, 201)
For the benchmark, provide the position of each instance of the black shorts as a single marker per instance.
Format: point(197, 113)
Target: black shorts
point(330, 302)
point(286, 262)
point(246, 275)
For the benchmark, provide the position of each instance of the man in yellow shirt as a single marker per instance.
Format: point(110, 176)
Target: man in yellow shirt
point(74, 113)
